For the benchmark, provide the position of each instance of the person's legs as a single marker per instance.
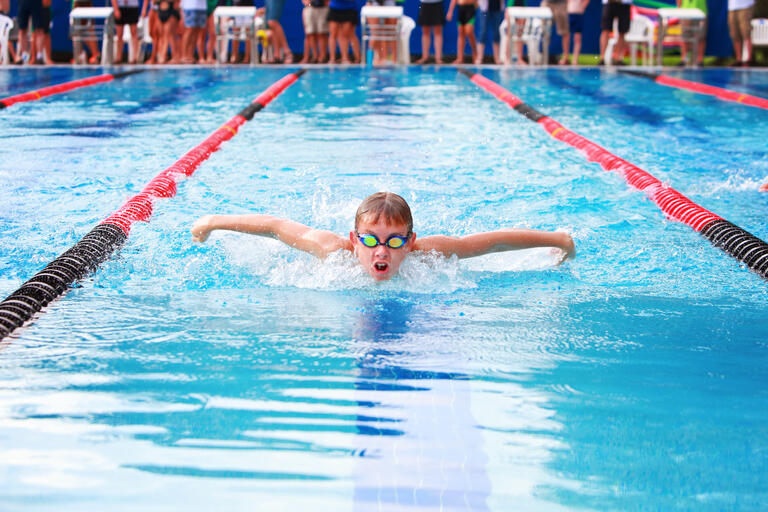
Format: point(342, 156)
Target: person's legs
point(424, 44)
point(333, 36)
point(481, 28)
point(460, 42)
point(120, 43)
point(494, 22)
point(306, 21)
point(438, 30)
point(576, 48)
point(472, 41)
point(343, 43)
point(353, 41)
point(134, 42)
point(210, 46)
point(745, 28)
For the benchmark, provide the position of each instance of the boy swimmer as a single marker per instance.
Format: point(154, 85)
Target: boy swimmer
point(383, 236)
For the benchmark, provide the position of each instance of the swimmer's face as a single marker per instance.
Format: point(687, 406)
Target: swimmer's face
point(381, 262)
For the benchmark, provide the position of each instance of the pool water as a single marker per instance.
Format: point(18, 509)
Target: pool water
point(241, 375)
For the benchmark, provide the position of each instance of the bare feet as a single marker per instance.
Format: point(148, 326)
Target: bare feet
point(457, 62)
point(422, 60)
point(563, 61)
point(288, 58)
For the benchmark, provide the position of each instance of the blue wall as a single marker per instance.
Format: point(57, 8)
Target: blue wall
point(718, 41)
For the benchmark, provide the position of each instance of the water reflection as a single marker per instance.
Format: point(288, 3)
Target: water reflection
point(434, 458)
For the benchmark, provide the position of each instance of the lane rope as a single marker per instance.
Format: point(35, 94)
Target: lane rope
point(732, 239)
point(98, 245)
point(63, 87)
point(711, 90)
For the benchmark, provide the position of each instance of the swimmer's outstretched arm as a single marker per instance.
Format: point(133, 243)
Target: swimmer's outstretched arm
point(497, 241)
point(318, 242)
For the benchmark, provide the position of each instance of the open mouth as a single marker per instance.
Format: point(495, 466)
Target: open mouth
point(380, 266)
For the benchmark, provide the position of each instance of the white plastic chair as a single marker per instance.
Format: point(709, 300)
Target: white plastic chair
point(530, 35)
point(641, 32)
point(760, 32)
point(406, 27)
point(6, 24)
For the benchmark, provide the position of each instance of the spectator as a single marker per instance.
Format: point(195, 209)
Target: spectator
point(614, 9)
point(740, 28)
point(576, 10)
point(559, 10)
point(149, 13)
point(431, 19)
point(688, 25)
point(342, 20)
point(466, 22)
point(169, 18)
point(489, 16)
point(126, 13)
point(315, 19)
point(29, 10)
point(193, 12)
point(44, 51)
point(279, 42)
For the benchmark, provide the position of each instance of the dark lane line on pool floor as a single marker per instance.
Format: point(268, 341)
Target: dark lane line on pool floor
point(710, 90)
point(732, 239)
point(64, 87)
point(98, 245)
point(619, 104)
point(111, 128)
point(39, 79)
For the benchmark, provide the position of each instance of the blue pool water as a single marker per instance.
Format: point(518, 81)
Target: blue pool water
point(241, 375)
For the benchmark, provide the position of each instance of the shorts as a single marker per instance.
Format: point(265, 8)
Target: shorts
point(431, 14)
point(739, 24)
point(489, 22)
point(30, 9)
point(615, 10)
point(194, 18)
point(559, 15)
point(274, 9)
point(128, 16)
point(518, 3)
point(315, 20)
point(46, 26)
point(165, 14)
point(576, 23)
point(343, 16)
point(387, 3)
point(466, 14)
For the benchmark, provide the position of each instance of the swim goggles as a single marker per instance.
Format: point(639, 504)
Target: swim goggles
point(393, 242)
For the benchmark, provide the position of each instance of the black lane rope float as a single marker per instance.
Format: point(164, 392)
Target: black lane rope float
point(64, 87)
point(688, 85)
point(99, 244)
point(730, 238)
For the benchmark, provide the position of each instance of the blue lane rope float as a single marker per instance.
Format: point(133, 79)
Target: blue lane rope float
point(98, 245)
point(732, 239)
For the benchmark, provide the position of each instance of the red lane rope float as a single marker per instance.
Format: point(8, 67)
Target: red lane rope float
point(99, 244)
point(728, 237)
point(64, 87)
point(719, 92)
point(139, 207)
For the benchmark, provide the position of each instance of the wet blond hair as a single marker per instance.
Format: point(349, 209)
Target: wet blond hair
point(388, 205)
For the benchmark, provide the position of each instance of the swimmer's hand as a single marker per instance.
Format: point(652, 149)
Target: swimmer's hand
point(201, 229)
point(567, 250)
